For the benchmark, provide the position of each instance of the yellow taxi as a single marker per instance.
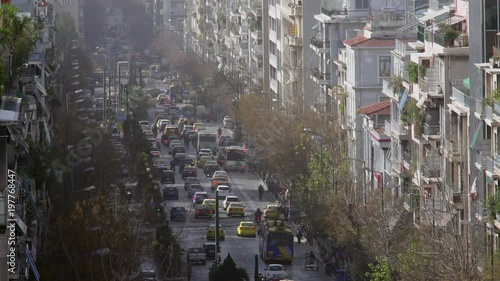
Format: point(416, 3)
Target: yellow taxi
point(271, 212)
point(246, 228)
point(209, 202)
point(235, 209)
point(211, 232)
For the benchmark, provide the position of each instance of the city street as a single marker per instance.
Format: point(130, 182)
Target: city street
point(192, 232)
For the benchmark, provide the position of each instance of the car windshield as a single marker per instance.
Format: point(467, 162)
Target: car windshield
point(177, 208)
point(232, 199)
point(272, 207)
point(247, 224)
point(194, 250)
point(223, 188)
point(235, 205)
point(275, 268)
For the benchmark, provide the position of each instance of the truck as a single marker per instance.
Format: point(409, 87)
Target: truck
point(196, 255)
point(207, 140)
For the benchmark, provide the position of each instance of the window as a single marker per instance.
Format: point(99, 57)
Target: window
point(362, 4)
point(278, 29)
point(273, 72)
point(384, 63)
point(66, 2)
point(272, 47)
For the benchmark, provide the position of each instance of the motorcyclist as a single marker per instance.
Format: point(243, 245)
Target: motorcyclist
point(261, 191)
point(129, 194)
point(258, 214)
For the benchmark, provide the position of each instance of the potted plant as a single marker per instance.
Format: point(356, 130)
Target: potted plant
point(415, 71)
point(493, 206)
point(396, 84)
point(448, 33)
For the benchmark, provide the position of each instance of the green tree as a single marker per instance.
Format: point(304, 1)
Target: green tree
point(228, 271)
point(18, 35)
point(66, 32)
point(380, 270)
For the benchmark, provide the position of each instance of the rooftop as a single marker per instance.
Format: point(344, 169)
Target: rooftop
point(362, 41)
point(382, 107)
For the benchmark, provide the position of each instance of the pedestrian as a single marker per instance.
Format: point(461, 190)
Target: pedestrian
point(299, 236)
point(189, 270)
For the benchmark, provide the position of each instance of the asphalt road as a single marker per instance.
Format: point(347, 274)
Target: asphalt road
point(192, 232)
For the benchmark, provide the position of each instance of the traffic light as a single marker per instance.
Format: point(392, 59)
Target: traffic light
point(159, 209)
point(125, 88)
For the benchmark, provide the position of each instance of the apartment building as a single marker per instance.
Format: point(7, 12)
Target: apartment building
point(286, 26)
point(175, 14)
point(72, 7)
point(428, 160)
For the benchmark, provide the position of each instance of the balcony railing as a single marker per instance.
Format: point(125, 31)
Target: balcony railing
point(490, 165)
point(460, 97)
point(407, 156)
point(319, 75)
point(332, 12)
point(431, 130)
point(387, 127)
point(398, 128)
point(431, 170)
point(320, 43)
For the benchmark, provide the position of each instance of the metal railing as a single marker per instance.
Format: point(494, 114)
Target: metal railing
point(407, 156)
point(387, 127)
point(431, 130)
point(319, 75)
point(490, 166)
point(398, 128)
point(320, 43)
point(431, 171)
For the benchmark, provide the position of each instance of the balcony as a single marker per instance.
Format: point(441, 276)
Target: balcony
point(432, 130)
point(293, 41)
point(347, 14)
point(491, 169)
point(460, 101)
point(407, 156)
point(256, 34)
point(491, 116)
point(320, 45)
point(386, 89)
point(452, 150)
point(431, 84)
point(319, 77)
point(431, 170)
point(458, 47)
point(399, 131)
point(387, 128)
point(455, 197)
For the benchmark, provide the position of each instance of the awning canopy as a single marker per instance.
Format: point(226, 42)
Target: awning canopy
point(402, 102)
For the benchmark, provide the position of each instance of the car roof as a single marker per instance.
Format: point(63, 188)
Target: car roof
point(223, 187)
point(200, 193)
point(231, 197)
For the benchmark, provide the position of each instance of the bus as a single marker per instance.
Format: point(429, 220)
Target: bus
point(175, 92)
point(207, 140)
point(276, 241)
point(188, 111)
point(234, 158)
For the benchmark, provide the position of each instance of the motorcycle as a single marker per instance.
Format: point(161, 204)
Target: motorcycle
point(258, 218)
point(129, 195)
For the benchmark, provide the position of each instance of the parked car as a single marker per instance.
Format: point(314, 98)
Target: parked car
point(171, 192)
point(196, 255)
point(178, 213)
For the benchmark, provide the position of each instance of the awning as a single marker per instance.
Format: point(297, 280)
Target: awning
point(433, 15)
point(402, 102)
point(467, 83)
point(476, 135)
point(454, 20)
point(31, 262)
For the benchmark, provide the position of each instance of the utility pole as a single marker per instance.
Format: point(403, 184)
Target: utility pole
point(119, 86)
point(256, 267)
point(217, 236)
point(104, 89)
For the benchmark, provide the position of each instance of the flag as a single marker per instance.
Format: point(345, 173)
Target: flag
point(473, 190)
